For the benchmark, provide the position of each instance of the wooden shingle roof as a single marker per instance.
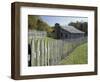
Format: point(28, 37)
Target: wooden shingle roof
point(71, 29)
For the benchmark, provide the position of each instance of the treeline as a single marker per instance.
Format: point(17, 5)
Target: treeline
point(36, 23)
point(83, 26)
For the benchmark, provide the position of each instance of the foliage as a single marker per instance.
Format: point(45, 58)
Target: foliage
point(32, 21)
point(36, 23)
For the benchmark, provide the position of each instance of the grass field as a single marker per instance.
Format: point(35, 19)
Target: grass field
point(78, 56)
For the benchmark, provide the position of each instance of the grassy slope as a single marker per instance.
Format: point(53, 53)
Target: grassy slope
point(78, 56)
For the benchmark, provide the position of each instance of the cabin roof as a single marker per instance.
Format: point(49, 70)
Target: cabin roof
point(71, 29)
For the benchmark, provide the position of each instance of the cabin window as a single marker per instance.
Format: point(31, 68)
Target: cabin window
point(66, 36)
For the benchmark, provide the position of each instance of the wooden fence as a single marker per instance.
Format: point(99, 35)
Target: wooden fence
point(45, 51)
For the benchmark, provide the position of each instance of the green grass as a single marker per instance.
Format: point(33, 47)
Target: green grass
point(78, 56)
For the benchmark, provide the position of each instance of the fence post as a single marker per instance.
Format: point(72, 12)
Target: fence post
point(33, 53)
point(45, 52)
point(48, 52)
point(42, 45)
point(38, 52)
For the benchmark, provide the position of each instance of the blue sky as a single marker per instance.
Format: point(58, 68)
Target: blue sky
point(62, 20)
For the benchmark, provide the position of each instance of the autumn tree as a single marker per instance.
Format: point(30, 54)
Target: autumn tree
point(32, 21)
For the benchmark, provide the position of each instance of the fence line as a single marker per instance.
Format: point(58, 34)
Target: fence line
point(46, 52)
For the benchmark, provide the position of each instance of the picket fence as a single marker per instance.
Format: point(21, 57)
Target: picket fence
point(47, 52)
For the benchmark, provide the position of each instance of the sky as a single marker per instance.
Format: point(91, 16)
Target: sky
point(62, 20)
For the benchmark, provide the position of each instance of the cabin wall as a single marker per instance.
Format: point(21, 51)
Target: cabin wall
point(63, 34)
point(76, 35)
